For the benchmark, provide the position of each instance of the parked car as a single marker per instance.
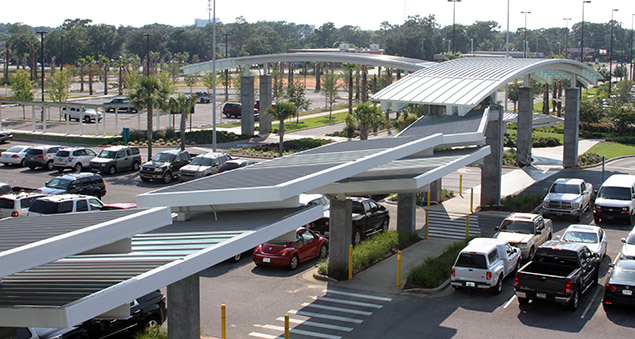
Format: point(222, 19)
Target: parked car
point(116, 159)
point(234, 109)
point(628, 249)
point(5, 135)
point(5, 188)
point(616, 199)
point(559, 272)
point(257, 105)
point(619, 288)
point(203, 165)
point(76, 183)
point(591, 236)
point(41, 156)
point(234, 164)
point(164, 165)
point(76, 159)
point(120, 104)
point(525, 231)
point(569, 197)
point(14, 155)
point(65, 203)
point(84, 114)
point(290, 253)
point(203, 97)
point(484, 263)
point(16, 204)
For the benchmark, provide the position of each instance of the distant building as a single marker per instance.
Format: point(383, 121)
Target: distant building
point(203, 22)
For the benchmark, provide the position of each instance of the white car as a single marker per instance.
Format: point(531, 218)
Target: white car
point(591, 236)
point(17, 204)
point(85, 114)
point(5, 135)
point(65, 203)
point(73, 158)
point(628, 249)
point(14, 155)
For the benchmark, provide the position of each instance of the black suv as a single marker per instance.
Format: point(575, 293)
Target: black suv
point(116, 158)
point(76, 183)
point(164, 165)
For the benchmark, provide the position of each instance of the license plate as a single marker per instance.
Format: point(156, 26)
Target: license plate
point(627, 292)
point(266, 259)
point(541, 295)
point(470, 284)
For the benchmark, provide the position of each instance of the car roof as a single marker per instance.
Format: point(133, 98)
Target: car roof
point(583, 228)
point(65, 197)
point(73, 148)
point(210, 155)
point(522, 216)
point(45, 146)
point(117, 148)
point(555, 244)
point(620, 180)
point(172, 151)
point(571, 181)
point(22, 195)
point(483, 245)
point(626, 263)
point(73, 176)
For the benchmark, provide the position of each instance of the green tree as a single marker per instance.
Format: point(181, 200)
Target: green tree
point(281, 111)
point(22, 88)
point(190, 80)
point(350, 68)
point(367, 117)
point(184, 105)
point(82, 63)
point(90, 60)
point(296, 95)
point(58, 85)
point(329, 89)
point(105, 64)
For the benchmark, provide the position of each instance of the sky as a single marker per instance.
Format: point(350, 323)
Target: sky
point(367, 14)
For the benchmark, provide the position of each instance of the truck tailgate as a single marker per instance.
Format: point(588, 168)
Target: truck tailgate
point(470, 274)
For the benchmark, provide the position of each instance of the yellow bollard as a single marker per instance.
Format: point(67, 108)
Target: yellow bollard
point(467, 227)
point(428, 198)
point(398, 268)
point(426, 237)
point(471, 199)
point(223, 321)
point(461, 184)
point(350, 262)
point(286, 326)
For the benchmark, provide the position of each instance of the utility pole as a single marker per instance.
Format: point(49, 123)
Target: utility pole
point(582, 35)
point(41, 33)
point(226, 70)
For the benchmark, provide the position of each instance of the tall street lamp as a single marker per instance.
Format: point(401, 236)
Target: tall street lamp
point(526, 43)
point(566, 34)
point(631, 59)
point(226, 70)
point(212, 7)
point(41, 33)
point(582, 35)
point(611, 52)
point(453, 21)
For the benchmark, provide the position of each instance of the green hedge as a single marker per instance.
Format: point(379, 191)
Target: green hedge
point(434, 271)
point(517, 203)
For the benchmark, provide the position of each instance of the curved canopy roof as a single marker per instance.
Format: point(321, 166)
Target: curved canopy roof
point(467, 81)
point(406, 64)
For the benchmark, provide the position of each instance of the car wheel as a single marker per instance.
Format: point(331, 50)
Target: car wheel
point(60, 170)
point(596, 219)
point(385, 225)
point(294, 262)
point(22, 162)
point(112, 170)
point(78, 167)
point(32, 168)
point(573, 304)
point(150, 322)
point(49, 165)
point(144, 179)
point(167, 177)
point(86, 119)
point(550, 236)
point(237, 257)
point(357, 237)
point(523, 301)
point(227, 115)
point(324, 251)
point(498, 288)
point(135, 166)
point(578, 218)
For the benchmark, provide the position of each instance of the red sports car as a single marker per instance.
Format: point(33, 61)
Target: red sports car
point(308, 245)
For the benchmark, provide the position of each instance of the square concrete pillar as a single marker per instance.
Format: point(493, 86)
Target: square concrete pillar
point(435, 191)
point(247, 100)
point(340, 236)
point(406, 215)
point(525, 127)
point(184, 309)
point(265, 102)
point(492, 171)
point(571, 127)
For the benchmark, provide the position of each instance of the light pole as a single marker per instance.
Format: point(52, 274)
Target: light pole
point(611, 52)
point(147, 54)
point(631, 59)
point(525, 43)
point(559, 48)
point(41, 33)
point(453, 20)
point(61, 52)
point(213, 8)
point(507, 48)
point(226, 70)
point(472, 45)
point(566, 34)
point(582, 35)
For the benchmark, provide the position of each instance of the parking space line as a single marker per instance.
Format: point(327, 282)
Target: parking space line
point(597, 290)
point(347, 302)
point(509, 301)
point(315, 324)
point(309, 333)
point(326, 316)
point(339, 309)
point(264, 336)
point(366, 296)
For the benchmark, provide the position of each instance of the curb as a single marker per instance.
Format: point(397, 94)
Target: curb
point(320, 277)
point(435, 290)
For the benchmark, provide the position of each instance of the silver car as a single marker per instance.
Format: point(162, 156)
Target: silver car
point(73, 158)
point(14, 155)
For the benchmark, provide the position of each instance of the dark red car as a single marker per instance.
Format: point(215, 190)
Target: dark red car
point(307, 245)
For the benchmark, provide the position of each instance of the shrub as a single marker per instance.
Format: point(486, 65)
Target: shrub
point(589, 159)
point(434, 271)
point(517, 203)
point(153, 333)
point(509, 158)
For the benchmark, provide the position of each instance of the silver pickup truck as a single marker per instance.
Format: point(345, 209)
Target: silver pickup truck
point(568, 197)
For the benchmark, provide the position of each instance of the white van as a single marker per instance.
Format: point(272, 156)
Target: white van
point(616, 199)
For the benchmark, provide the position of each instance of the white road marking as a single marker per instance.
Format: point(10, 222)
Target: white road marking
point(339, 309)
point(597, 290)
point(509, 301)
point(347, 302)
point(315, 324)
point(372, 297)
point(264, 336)
point(326, 316)
point(309, 333)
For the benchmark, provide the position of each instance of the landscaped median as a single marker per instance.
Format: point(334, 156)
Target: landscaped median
point(433, 273)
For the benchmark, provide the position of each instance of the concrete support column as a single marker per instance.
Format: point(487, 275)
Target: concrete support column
point(340, 236)
point(247, 100)
point(491, 171)
point(406, 215)
point(435, 190)
point(265, 102)
point(571, 127)
point(184, 309)
point(525, 128)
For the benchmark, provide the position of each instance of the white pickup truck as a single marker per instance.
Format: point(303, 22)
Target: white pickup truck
point(484, 263)
point(525, 231)
point(568, 197)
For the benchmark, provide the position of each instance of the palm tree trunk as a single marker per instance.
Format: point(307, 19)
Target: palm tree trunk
point(105, 80)
point(281, 135)
point(81, 78)
point(149, 131)
point(318, 70)
point(90, 79)
point(182, 128)
point(120, 78)
point(350, 91)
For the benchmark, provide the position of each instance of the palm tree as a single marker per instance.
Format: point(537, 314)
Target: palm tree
point(367, 117)
point(281, 111)
point(105, 63)
point(82, 63)
point(90, 61)
point(148, 93)
point(350, 68)
point(184, 105)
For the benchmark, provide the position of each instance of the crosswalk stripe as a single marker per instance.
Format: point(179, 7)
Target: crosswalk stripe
point(347, 302)
point(303, 332)
point(326, 316)
point(339, 309)
point(316, 324)
point(366, 296)
point(264, 336)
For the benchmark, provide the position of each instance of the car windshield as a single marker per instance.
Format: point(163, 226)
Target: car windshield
point(617, 193)
point(585, 237)
point(163, 157)
point(200, 161)
point(631, 239)
point(15, 149)
point(623, 274)
point(58, 183)
point(472, 260)
point(517, 226)
point(565, 188)
point(62, 153)
point(107, 154)
point(6, 203)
